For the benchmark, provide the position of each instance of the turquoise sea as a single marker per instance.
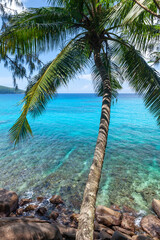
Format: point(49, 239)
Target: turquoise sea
point(57, 159)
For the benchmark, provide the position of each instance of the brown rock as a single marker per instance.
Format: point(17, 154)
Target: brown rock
point(67, 232)
point(107, 216)
point(74, 217)
point(54, 215)
point(8, 202)
point(119, 236)
point(156, 206)
point(128, 222)
point(130, 210)
point(105, 236)
point(27, 229)
point(100, 227)
point(122, 230)
point(141, 237)
point(24, 201)
point(30, 208)
point(151, 225)
point(40, 199)
point(96, 235)
point(19, 211)
point(115, 207)
point(56, 199)
point(41, 211)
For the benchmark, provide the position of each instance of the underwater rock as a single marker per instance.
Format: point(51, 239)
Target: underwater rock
point(40, 199)
point(107, 216)
point(151, 225)
point(128, 222)
point(56, 199)
point(156, 206)
point(54, 215)
point(28, 229)
point(130, 210)
point(41, 211)
point(8, 202)
point(24, 201)
point(19, 211)
point(30, 207)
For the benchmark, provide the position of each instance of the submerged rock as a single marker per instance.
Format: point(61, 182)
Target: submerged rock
point(25, 201)
point(107, 216)
point(151, 225)
point(27, 229)
point(31, 207)
point(41, 211)
point(54, 215)
point(8, 202)
point(56, 199)
point(156, 206)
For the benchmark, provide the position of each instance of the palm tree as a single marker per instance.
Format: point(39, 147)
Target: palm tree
point(89, 36)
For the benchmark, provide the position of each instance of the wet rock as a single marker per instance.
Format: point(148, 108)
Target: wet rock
point(151, 225)
point(25, 201)
point(100, 227)
point(105, 236)
point(56, 199)
point(41, 211)
point(67, 232)
point(31, 207)
point(141, 237)
point(115, 207)
point(122, 230)
point(27, 229)
point(96, 235)
point(40, 199)
point(119, 236)
point(74, 217)
point(156, 206)
point(19, 211)
point(54, 215)
point(128, 222)
point(130, 210)
point(8, 202)
point(107, 216)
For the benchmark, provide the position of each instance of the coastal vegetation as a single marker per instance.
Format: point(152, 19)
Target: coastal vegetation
point(92, 34)
point(7, 90)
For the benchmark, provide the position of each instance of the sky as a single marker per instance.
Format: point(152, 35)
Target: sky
point(81, 84)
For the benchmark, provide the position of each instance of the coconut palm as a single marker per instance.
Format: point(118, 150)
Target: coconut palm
point(89, 37)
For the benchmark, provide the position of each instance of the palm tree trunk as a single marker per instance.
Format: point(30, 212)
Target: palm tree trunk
point(86, 220)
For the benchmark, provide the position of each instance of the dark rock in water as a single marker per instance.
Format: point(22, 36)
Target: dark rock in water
point(24, 201)
point(119, 236)
point(8, 202)
point(31, 207)
point(151, 225)
point(19, 211)
point(56, 199)
point(141, 237)
point(105, 236)
point(130, 210)
point(54, 215)
point(108, 216)
point(128, 222)
point(40, 199)
point(74, 217)
point(156, 206)
point(27, 229)
point(41, 211)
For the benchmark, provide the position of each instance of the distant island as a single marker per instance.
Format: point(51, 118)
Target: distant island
point(8, 90)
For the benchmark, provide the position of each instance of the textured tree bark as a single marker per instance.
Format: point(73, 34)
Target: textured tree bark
point(86, 220)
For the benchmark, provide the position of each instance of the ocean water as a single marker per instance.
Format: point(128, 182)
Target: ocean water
point(57, 159)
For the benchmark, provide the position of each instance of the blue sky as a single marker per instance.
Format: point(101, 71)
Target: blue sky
point(81, 84)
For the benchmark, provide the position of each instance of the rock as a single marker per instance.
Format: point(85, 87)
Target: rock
point(41, 211)
point(119, 236)
point(96, 235)
point(156, 206)
point(74, 217)
point(105, 236)
point(31, 207)
point(27, 229)
point(115, 207)
point(56, 199)
point(151, 225)
point(8, 202)
point(54, 215)
point(122, 230)
point(128, 222)
point(24, 201)
point(67, 232)
point(130, 210)
point(107, 216)
point(100, 227)
point(141, 237)
point(40, 199)
point(19, 211)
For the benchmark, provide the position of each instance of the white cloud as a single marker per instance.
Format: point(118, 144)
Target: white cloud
point(86, 77)
point(12, 6)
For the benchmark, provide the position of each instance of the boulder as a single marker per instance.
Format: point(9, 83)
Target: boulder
point(8, 202)
point(151, 225)
point(128, 222)
point(41, 211)
point(130, 210)
point(119, 236)
point(107, 216)
point(105, 236)
point(54, 215)
point(156, 206)
point(30, 207)
point(122, 230)
point(27, 229)
point(100, 227)
point(56, 199)
point(67, 232)
point(24, 201)
point(141, 237)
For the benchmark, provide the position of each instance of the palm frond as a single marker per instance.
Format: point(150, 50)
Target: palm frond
point(69, 61)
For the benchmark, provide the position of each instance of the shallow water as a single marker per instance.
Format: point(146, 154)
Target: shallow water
point(57, 159)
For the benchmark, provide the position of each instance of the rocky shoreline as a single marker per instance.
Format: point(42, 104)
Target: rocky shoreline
point(49, 219)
